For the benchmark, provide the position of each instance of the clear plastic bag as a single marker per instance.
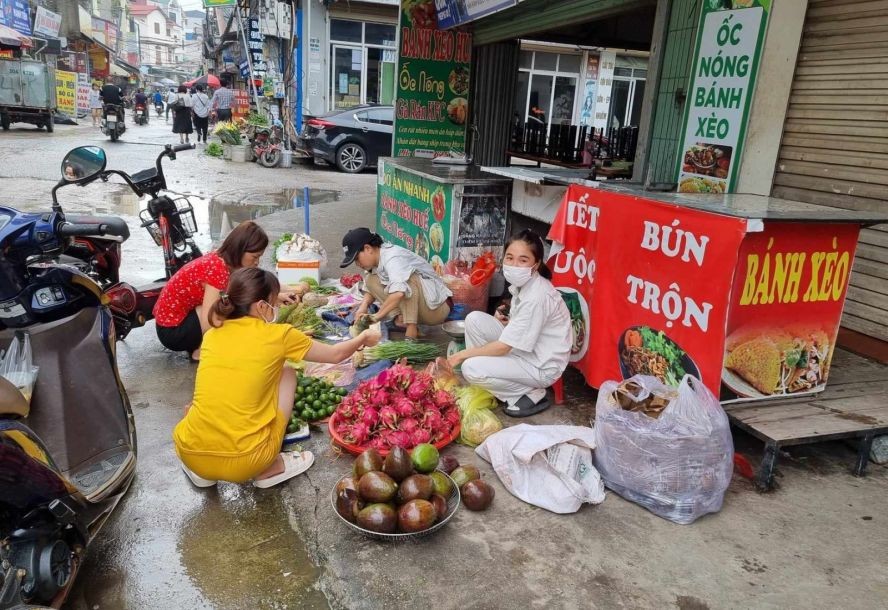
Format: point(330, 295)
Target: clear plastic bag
point(17, 365)
point(477, 420)
point(677, 465)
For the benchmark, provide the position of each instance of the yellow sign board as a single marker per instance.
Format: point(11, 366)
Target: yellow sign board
point(66, 92)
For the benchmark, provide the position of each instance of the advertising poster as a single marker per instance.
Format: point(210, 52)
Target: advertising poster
point(215, 3)
point(66, 92)
point(590, 89)
point(458, 12)
point(16, 14)
point(729, 43)
point(656, 278)
point(786, 305)
point(257, 51)
point(412, 212)
point(82, 94)
point(47, 23)
point(432, 99)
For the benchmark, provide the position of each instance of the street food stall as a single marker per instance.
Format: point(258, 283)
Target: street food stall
point(442, 212)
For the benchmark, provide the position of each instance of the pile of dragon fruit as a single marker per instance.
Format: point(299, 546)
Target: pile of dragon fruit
point(400, 407)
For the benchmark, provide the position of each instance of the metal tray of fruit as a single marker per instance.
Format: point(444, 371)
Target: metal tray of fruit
point(453, 501)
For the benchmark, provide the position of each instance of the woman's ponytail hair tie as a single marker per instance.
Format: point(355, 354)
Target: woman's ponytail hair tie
point(223, 296)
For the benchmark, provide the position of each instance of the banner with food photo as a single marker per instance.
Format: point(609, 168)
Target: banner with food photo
point(647, 285)
point(432, 93)
point(414, 212)
point(786, 306)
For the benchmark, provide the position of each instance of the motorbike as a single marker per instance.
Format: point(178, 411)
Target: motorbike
point(158, 108)
point(266, 144)
point(113, 125)
point(171, 224)
point(68, 448)
point(140, 115)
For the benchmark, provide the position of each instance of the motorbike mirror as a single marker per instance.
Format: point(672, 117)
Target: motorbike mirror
point(83, 164)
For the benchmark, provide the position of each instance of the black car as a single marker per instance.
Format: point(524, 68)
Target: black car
point(351, 139)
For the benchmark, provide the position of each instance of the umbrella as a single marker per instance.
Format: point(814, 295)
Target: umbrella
point(168, 82)
point(12, 38)
point(207, 80)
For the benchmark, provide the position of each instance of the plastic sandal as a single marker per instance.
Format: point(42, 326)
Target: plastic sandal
point(295, 463)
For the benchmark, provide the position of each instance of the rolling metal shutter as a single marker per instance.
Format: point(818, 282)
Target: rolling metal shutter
point(835, 141)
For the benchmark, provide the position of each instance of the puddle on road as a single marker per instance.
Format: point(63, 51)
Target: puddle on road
point(238, 549)
point(227, 210)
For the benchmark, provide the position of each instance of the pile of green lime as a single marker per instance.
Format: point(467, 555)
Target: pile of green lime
point(316, 398)
point(295, 424)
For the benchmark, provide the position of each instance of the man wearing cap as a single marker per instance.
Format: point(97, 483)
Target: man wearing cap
point(404, 284)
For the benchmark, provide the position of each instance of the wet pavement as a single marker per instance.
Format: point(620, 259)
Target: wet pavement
point(819, 541)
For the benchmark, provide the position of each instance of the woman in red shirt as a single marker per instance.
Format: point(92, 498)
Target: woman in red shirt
point(182, 310)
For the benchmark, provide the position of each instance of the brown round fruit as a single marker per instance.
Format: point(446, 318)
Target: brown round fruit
point(380, 518)
point(349, 504)
point(477, 495)
point(440, 505)
point(415, 487)
point(447, 463)
point(377, 487)
point(368, 461)
point(464, 474)
point(397, 464)
point(347, 483)
point(416, 516)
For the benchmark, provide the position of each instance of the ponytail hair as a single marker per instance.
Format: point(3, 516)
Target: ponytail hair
point(246, 286)
point(535, 243)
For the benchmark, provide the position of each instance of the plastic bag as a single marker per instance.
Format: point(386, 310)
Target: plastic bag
point(457, 277)
point(477, 421)
point(17, 365)
point(547, 466)
point(677, 465)
point(302, 248)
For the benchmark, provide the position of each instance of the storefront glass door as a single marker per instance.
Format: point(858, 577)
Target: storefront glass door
point(346, 80)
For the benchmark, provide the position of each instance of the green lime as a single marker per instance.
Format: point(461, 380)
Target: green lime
point(424, 457)
point(337, 400)
point(304, 414)
point(316, 404)
point(331, 410)
point(342, 391)
point(300, 390)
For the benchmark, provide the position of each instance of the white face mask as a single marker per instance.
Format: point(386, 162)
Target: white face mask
point(274, 313)
point(517, 276)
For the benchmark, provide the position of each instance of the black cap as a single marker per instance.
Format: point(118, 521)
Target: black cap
point(353, 242)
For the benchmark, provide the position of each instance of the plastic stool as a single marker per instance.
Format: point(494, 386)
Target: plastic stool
point(558, 389)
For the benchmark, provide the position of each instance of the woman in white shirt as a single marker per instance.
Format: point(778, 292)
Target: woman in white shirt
point(517, 356)
point(95, 105)
point(405, 284)
point(200, 105)
point(182, 115)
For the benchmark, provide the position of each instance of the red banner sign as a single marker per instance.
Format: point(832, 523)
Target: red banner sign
point(662, 275)
point(786, 305)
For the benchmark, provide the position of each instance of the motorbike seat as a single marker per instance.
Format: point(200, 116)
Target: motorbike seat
point(117, 227)
point(11, 400)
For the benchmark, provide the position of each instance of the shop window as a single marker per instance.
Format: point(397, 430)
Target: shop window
point(380, 33)
point(627, 97)
point(157, 56)
point(546, 94)
point(364, 62)
point(345, 31)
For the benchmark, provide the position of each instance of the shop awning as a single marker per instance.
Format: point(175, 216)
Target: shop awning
point(126, 66)
point(98, 43)
point(12, 38)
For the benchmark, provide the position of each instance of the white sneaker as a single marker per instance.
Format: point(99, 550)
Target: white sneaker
point(196, 480)
point(295, 463)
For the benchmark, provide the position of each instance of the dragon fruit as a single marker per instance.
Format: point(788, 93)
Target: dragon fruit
point(399, 407)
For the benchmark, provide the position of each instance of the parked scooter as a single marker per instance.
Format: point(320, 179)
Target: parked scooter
point(140, 115)
point(68, 456)
point(113, 125)
point(266, 144)
point(171, 224)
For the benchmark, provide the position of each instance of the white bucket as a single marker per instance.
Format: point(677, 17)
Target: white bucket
point(226, 152)
point(286, 158)
point(239, 154)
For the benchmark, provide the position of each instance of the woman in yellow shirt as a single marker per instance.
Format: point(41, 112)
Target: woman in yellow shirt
point(243, 394)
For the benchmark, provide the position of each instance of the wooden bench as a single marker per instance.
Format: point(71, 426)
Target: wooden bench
point(853, 406)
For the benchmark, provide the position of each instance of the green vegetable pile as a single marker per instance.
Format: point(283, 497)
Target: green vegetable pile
point(657, 341)
point(302, 317)
point(413, 351)
point(257, 120)
point(277, 243)
point(214, 149)
point(316, 398)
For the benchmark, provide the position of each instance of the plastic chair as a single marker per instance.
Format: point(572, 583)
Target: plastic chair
point(558, 389)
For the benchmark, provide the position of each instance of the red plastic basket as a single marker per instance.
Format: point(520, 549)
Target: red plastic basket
point(358, 449)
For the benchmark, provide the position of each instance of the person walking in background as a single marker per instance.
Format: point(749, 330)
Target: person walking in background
point(181, 106)
point(95, 105)
point(171, 99)
point(222, 100)
point(200, 106)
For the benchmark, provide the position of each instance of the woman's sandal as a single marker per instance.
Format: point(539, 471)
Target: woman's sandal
point(295, 463)
point(525, 407)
